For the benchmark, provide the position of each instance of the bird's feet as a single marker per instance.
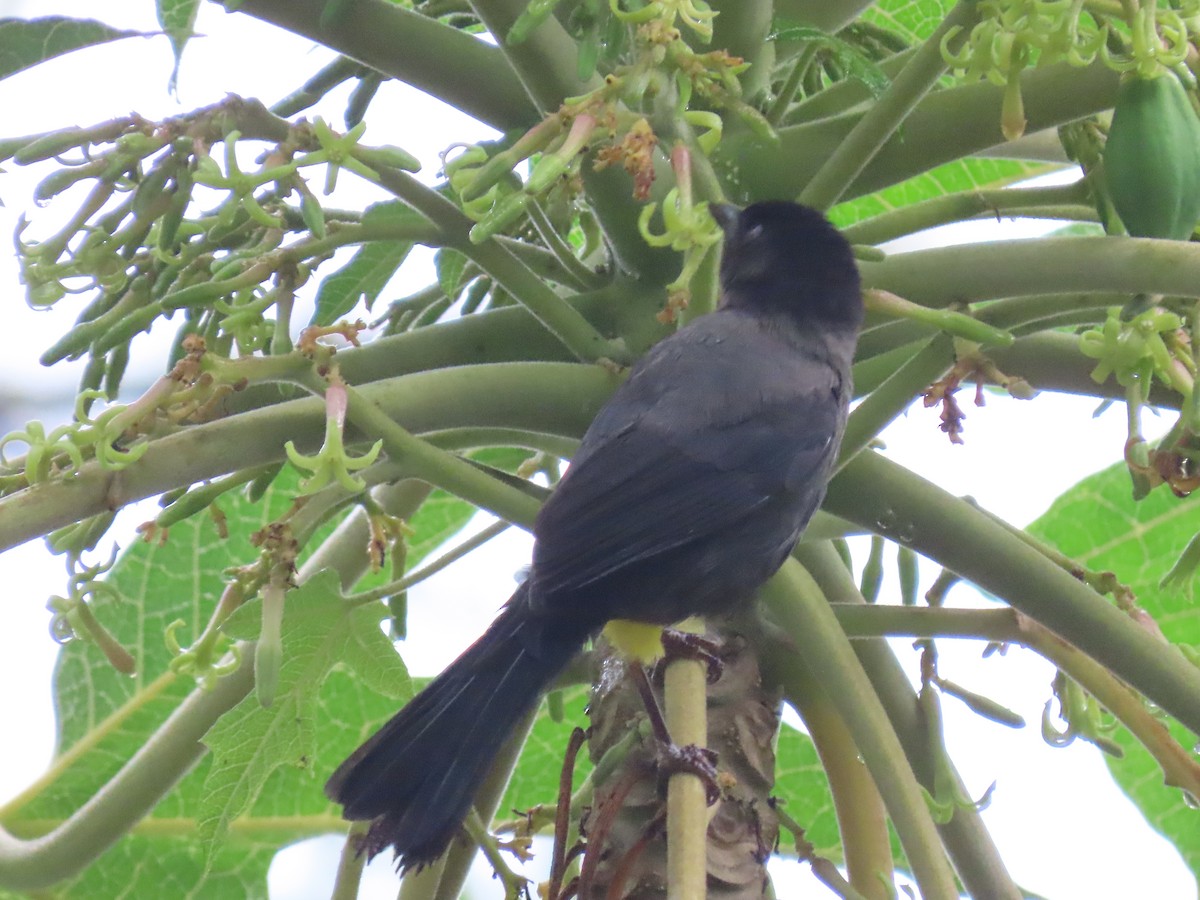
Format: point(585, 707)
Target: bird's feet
point(672, 757)
point(693, 760)
point(688, 645)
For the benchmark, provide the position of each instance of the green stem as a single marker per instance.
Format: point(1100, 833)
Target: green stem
point(823, 868)
point(350, 864)
point(788, 91)
point(429, 570)
point(948, 320)
point(796, 604)
point(487, 799)
point(878, 620)
point(559, 316)
point(146, 694)
point(429, 463)
point(130, 795)
point(515, 886)
point(1007, 626)
point(173, 748)
point(883, 118)
point(960, 206)
point(905, 507)
point(464, 439)
point(584, 279)
point(685, 706)
point(1180, 768)
point(895, 394)
point(1020, 313)
point(1052, 361)
point(844, 95)
point(546, 264)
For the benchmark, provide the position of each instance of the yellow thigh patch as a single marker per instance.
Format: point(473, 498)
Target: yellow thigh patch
point(642, 641)
point(639, 641)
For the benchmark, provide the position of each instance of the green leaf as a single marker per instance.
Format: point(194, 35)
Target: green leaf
point(856, 64)
point(1098, 524)
point(801, 784)
point(372, 266)
point(105, 717)
point(392, 212)
point(26, 42)
point(961, 175)
point(535, 779)
point(250, 742)
point(178, 19)
point(913, 20)
point(364, 277)
point(450, 265)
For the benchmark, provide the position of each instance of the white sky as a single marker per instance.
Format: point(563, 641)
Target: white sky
point(1055, 815)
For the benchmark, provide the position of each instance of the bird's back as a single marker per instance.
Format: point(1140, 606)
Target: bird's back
point(696, 479)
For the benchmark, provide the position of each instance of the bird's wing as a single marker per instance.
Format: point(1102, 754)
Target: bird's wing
point(649, 488)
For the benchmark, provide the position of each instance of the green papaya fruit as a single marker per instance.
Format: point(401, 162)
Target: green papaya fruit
point(1152, 158)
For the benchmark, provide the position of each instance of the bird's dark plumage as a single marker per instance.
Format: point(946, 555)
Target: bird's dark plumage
point(687, 493)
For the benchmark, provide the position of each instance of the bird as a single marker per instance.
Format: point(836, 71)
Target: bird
point(688, 491)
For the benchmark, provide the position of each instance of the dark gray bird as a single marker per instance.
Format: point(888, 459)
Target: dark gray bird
point(688, 491)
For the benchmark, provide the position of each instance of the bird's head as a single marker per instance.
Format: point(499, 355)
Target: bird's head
point(785, 257)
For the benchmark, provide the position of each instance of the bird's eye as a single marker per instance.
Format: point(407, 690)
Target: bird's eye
point(754, 232)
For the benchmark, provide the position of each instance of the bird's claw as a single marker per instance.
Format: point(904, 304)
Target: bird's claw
point(693, 760)
point(688, 645)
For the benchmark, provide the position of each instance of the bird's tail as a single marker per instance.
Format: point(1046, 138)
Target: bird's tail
point(417, 775)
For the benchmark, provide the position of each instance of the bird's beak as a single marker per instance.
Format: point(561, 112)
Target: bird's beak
point(726, 214)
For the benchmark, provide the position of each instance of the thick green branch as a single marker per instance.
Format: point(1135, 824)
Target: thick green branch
point(842, 96)
point(884, 117)
point(962, 206)
point(909, 509)
point(1008, 626)
point(1023, 314)
point(796, 604)
point(437, 466)
point(553, 398)
point(626, 308)
point(449, 64)
point(1052, 361)
point(946, 126)
point(132, 793)
point(989, 271)
point(975, 856)
point(862, 818)
point(553, 311)
point(546, 61)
